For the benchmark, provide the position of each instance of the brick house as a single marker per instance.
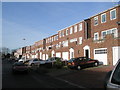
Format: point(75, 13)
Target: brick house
point(97, 37)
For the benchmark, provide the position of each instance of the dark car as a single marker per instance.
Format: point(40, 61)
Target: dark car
point(82, 62)
point(112, 79)
point(19, 67)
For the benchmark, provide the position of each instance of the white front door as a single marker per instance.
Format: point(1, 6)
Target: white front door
point(43, 57)
point(101, 55)
point(58, 54)
point(53, 53)
point(65, 55)
point(40, 55)
point(116, 56)
point(46, 56)
point(71, 53)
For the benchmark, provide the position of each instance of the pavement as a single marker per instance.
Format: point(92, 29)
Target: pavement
point(92, 77)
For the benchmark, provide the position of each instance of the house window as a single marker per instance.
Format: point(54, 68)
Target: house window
point(80, 40)
point(73, 40)
point(114, 32)
point(71, 30)
point(96, 20)
point(80, 26)
point(96, 36)
point(67, 32)
point(62, 34)
point(113, 14)
point(104, 34)
point(65, 43)
point(75, 28)
point(103, 18)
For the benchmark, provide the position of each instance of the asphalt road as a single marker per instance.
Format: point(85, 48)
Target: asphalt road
point(31, 80)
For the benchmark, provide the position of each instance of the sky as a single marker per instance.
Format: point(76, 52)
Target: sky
point(37, 20)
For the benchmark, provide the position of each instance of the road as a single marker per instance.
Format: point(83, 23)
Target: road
point(31, 80)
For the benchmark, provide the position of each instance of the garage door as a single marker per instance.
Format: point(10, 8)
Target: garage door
point(116, 56)
point(58, 54)
point(101, 55)
point(65, 55)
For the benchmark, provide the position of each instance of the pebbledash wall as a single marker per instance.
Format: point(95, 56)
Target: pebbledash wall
point(97, 37)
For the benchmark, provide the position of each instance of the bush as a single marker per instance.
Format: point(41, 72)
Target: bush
point(58, 64)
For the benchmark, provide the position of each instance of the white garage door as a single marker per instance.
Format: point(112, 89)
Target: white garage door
point(116, 56)
point(58, 54)
point(65, 55)
point(101, 55)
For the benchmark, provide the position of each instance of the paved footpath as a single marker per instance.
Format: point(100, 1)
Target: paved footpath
point(89, 78)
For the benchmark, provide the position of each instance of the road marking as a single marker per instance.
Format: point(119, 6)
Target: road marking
point(70, 83)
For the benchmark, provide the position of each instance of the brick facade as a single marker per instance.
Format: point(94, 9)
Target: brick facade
point(83, 39)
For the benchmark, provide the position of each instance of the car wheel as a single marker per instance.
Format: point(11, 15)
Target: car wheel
point(78, 67)
point(96, 64)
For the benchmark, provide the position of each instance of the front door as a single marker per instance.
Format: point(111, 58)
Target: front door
point(87, 53)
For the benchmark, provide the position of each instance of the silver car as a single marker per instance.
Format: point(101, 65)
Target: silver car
point(113, 78)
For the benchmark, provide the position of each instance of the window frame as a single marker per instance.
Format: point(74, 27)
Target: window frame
point(97, 20)
point(102, 18)
point(97, 36)
point(80, 27)
point(111, 14)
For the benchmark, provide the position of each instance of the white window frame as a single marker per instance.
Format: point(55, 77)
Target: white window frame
point(102, 18)
point(80, 40)
point(97, 20)
point(97, 36)
point(75, 28)
point(60, 34)
point(66, 31)
point(111, 14)
point(71, 30)
point(80, 27)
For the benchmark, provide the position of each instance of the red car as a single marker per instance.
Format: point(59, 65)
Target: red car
point(82, 62)
point(19, 67)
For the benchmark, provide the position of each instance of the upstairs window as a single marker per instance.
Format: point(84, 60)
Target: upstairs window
point(95, 21)
point(96, 36)
point(103, 18)
point(80, 26)
point(75, 28)
point(71, 30)
point(113, 14)
point(67, 32)
point(80, 40)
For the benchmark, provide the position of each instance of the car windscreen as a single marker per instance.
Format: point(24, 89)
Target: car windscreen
point(116, 75)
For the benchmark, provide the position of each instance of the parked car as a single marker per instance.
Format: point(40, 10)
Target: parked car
point(36, 62)
point(81, 62)
point(50, 62)
point(19, 67)
point(112, 79)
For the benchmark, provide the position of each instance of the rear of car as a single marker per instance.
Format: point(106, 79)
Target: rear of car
point(19, 67)
point(114, 78)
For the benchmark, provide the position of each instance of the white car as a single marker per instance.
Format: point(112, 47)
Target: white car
point(36, 62)
point(112, 79)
